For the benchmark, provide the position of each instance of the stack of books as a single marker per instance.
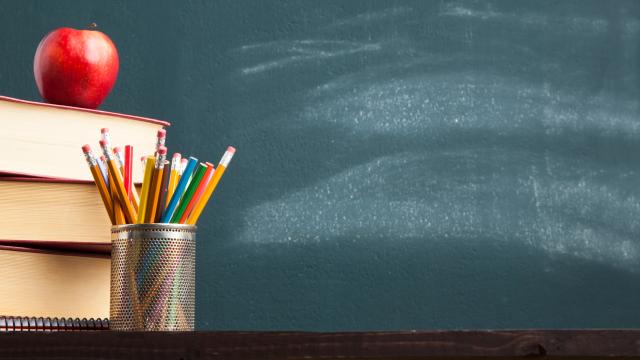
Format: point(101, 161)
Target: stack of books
point(54, 232)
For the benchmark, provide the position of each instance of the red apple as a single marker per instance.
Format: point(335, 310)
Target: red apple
point(75, 67)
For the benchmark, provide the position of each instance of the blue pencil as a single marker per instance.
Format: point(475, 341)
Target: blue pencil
point(177, 194)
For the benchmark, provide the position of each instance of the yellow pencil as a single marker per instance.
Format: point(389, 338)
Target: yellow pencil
point(211, 186)
point(117, 209)
point(154, 190)
point(99, 180)
point(125, 204)
point(175, 175)
point(127, 208)
point(146, 181)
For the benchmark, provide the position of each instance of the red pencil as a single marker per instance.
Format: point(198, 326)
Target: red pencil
point(128, 168)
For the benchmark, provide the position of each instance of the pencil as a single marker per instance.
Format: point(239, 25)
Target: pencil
point(154, 190)
point(117, 208)
point(106, 137)
point(128, 168)
point(188, 194)
point(102, 164)
point(198, 193)
point(117, 152)
point(144, 194)
point(106, 145)
point(116, 176)
point(161, 137)
point(152, 182)
point(175, 174)
point(132, 192)
point(114, 204)
point(99, 180)
point(183, 165)
point(164, 189)
point(211, 186)
point(177, 194)
point(128, 173)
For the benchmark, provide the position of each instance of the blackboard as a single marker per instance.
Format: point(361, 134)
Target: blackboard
point(400, 164)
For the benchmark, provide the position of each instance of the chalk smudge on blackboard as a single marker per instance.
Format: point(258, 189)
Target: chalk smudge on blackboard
point(484, 139)
point(541, 21)
point(369, 17)
point(405, 197)
point(294, 52)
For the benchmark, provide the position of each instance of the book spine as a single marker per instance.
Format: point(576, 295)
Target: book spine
point(23, 323)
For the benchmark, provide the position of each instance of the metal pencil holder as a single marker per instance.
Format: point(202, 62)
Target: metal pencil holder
point(153, 277)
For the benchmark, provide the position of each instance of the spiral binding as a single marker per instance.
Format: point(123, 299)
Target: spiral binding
point(23, 323)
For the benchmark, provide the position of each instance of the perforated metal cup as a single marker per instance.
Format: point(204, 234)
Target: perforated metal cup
point(153, 277)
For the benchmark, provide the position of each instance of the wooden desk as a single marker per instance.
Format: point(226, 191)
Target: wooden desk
point(299, 345)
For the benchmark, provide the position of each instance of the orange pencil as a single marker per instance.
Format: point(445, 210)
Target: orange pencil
point(127, 208)
point(117, 209)
point(99, 180)
point(211, 186)
point(114, 204)
point(156, 182)
point(199, 192)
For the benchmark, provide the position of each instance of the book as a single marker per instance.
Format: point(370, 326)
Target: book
point(39, 283)
point(43, 139)
point(24, 323)
point(48, 213)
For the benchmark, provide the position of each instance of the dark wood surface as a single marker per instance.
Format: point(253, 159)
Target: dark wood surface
point(300, 345)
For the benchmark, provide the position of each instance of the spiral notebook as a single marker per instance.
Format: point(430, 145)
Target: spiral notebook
point(23, 323)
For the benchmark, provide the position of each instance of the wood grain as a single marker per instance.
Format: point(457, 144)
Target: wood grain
point(556, 344)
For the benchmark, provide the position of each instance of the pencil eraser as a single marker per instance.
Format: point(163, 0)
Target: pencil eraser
point(117, 149)
point(162, 150)
point(103, 158)
point(86, 148)
point(104, 130)
point(103, 143)
point(184, 160)
point(176, 155)
point(162, 133)
point(231, 149)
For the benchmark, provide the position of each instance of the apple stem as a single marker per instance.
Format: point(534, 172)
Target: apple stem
point(93, 26)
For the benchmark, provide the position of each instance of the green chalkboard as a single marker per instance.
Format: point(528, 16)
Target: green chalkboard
point(400, 164)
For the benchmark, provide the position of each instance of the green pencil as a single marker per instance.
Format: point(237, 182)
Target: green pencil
point(188, 194)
